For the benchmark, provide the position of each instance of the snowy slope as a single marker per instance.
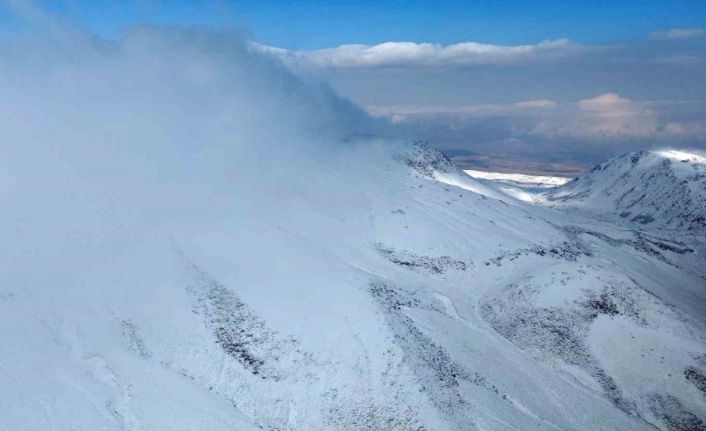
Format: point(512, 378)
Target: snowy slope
point(249, 263)
point(415, 305)
point(652, 189)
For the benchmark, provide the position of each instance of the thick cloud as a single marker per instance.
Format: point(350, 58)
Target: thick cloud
point(105, 141)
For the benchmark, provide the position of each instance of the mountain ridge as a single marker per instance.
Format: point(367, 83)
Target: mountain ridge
point(664, 189)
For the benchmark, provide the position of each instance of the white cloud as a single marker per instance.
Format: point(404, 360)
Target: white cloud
point(685, 128)
point(606, 117)
point(678, 33)
point(401, 112)
point(680, 59)
point(392, 54)
point(542, 103)
point(604, 102)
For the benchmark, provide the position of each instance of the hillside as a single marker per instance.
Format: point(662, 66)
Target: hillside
point(651, 189)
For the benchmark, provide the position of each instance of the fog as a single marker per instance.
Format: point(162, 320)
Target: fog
point(105, 141)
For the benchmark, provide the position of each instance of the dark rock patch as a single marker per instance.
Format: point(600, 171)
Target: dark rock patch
point(434, 265)
point(558, 332)
point(569, 251)
point(425, 160)
point(603, 305)
point(132, 336)
point(239, 331)
point(697, 377)
point(438, 374)
point(643, 218)
point(672, 413)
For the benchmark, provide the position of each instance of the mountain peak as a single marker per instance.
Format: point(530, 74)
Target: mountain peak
point(662, 189)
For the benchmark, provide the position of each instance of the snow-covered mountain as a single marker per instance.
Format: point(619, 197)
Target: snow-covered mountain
point(655, 189)
point(224, 252)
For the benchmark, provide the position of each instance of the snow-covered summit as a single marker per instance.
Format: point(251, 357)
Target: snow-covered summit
point(653, 189)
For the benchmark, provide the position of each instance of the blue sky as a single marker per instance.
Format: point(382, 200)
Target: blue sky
point(319, 24)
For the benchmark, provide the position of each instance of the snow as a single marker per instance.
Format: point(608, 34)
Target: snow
point(519, 178)
point(682, 156)
point(227, 247)
point(520, 187)
point(652, 190)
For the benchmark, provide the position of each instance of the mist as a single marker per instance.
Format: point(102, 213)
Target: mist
point(104, 141)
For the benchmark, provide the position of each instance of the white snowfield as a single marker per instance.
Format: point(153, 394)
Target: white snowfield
point(518, 186)
point(537, 180)
point(246, 264)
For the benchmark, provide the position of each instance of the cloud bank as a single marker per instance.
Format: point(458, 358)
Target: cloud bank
point(582, 132)
point(406, 54)
point(606, 116)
